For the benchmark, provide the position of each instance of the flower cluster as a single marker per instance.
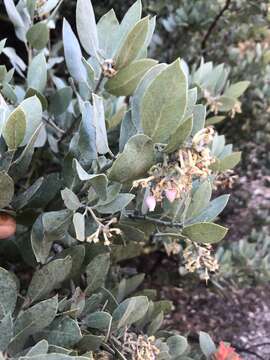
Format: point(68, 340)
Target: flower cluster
point(104, 231)
point(174, 177)
point(237, 109)
point(172, 248)
point(141, 347)
point(212, 101)
point(225, 352)
point(108, 68)
point(39, 5)
point(198, 258)
point(102, 355)
point(225, 180)
point(215, 104)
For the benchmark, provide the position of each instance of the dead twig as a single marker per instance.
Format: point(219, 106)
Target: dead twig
point(214, 24)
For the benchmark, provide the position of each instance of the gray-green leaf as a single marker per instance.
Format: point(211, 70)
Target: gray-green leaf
point(162, 110)
point(6, 189)
point(86, 27)
point(137, 158)
point(31, 321)
point(48, 278)
point(237, 89)
point(98, 181)
point(130, 311)
point(118, 204)
point(6, 332)
point(60, 101)
point(96, 272)
point(126, 80)
point(8, 293)
point(214, 208)
point(79, 226)
point(33, 110)
point(98, 320)
point(37, 73)
point(177, 346)
point(99, 121)
point(14, 129)
point(230, 161)
point(132, 44)
point(180, 136)
point(70, 199)
point(207, 344)
point(38, 35)
point(200, 199)
point(73, 54)
point(207, 233)
point(63, 331)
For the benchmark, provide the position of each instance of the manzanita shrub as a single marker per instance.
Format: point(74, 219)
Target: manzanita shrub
point(117, 154)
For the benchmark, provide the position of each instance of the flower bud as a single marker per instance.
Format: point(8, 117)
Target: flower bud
point(171, 195)
point(151, 202)
point(7, 226)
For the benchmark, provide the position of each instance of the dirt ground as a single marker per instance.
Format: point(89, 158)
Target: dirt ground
point(240, 317)
point(243, 318)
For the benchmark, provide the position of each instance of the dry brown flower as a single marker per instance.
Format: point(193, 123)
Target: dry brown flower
point(108, 68)
point(198, 258)
point(141, 347)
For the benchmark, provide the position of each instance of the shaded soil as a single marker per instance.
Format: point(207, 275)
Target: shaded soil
point(240, 317)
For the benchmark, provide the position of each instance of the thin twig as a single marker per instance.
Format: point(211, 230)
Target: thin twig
point(95, 218)
point(53, 125)
point(154, 220)
point(169, 235)
point(247, 351)
point(70, 130)
point(105, 167)
point(99, 83)
point(214, 24)
point(259, 345)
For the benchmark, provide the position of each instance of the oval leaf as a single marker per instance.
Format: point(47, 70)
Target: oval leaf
point(6, 189)
point(132, 44)
point(73, 54)
point(37, 73)
point(126, 80)
point(48, 278)
point(180, 136)
point(164, 103)
point(14, 129)
point(38, 35)
point(207, 233)
point(86, 27)
point(130, 311)
point(8, 293)
point(136, 159)
point(33, 110)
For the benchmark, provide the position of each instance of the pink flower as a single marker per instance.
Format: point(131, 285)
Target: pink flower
point(151, 202)
point(171, 194)
point(226, 352)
